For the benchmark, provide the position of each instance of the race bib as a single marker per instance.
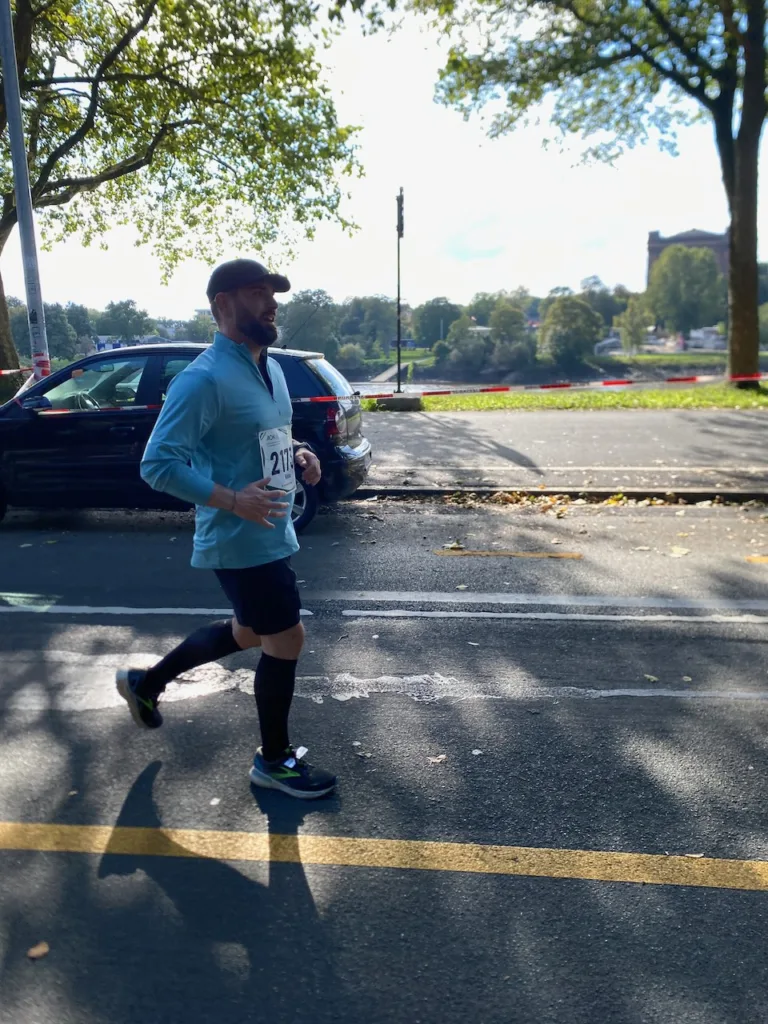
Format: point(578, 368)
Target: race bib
point(277, 457)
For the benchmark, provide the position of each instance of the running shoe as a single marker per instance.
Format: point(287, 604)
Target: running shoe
point(143, 709)
point(292, 774)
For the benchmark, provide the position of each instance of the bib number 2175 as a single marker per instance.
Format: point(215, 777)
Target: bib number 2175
point(277, 458)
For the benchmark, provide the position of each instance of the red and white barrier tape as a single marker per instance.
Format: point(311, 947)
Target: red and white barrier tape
point(23, 369)
point(500, 389)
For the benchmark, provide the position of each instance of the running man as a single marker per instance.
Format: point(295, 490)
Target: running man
point(223, 442)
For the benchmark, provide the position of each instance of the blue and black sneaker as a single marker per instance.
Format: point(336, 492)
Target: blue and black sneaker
point(292, 774)
point(143, 709)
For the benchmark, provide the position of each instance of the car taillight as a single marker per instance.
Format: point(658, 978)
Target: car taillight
point(336, 429)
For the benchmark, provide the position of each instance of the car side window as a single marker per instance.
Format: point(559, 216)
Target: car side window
point(108, 383)
point(171, 366)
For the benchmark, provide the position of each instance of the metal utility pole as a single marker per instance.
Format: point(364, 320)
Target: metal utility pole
point(35, 312)
point(399, 198)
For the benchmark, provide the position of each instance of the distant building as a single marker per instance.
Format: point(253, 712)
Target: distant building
point(718, 244)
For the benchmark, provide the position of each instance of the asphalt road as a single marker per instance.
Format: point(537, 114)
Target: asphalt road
point(612, 702)
point(718, 450)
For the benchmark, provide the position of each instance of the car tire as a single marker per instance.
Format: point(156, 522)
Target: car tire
point(305, 505)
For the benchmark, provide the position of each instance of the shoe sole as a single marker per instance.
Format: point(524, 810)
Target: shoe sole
point(267, 782)
point(125, 691)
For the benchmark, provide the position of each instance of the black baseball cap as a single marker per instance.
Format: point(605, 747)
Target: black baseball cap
point(230, 276)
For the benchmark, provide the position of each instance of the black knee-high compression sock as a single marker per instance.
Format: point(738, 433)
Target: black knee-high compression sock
point(209, 643)
point(273, 688)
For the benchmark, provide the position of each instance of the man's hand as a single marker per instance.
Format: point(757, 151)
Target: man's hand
point(258, 505)
point(310, 463)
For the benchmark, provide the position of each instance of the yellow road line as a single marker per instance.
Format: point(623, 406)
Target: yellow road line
point(455, 553)
point(594, 865)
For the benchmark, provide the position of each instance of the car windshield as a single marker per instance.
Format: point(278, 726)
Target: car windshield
point(338, 384)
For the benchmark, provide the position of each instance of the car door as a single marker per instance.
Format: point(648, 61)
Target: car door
point(81, 446)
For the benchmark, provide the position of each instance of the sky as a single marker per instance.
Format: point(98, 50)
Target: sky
point(480, 214)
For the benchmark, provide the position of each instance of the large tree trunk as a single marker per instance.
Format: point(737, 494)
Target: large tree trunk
point(744, 333)
point(739, 158)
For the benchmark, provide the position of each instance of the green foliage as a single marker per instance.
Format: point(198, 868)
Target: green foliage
point(470, 356)
point(633, 324)
point(570, 331)
point(459, 332)
point(507, 322)
point(546, 303)
point(351, 356)
point(309, 321)
point(200, 328)
point(372, 319)
point(433, 319)
point(686, 289)
point(509, 356)
point(608, 304)
point(125, 321)
point(481, 307)
point(63, 342)
point(442, 352)
point(80, 319)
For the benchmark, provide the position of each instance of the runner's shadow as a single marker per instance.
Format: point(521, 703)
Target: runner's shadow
point(246, 949)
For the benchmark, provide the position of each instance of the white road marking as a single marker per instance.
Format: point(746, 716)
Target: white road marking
point(48, 606)
point(543, 600)
point(70, 681)
point(406, 613)
point(539, 468)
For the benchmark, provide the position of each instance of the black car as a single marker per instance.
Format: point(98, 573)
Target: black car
point(75, 439)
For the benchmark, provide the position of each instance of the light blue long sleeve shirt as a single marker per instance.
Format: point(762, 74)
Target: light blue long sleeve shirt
point(208, 433)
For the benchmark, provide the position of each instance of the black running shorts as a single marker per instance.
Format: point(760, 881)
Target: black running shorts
point(264, 597)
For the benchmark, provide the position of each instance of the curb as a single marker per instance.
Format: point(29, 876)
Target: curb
point(598, 493)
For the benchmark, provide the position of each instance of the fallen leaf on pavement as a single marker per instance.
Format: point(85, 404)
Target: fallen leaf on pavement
point(51, 542)
point(25, 545)
point(375, 636)
point(679, 552)
point(454, 545)
point(437, 760)
point(476, 752)
point(39, 951)
point(681, 512)
point(643, 547)
point(471, 644)
point(462, 586)
point(556, 541)
point(362, 753)
point(651, 679)
point(343, 636)
point(696, 856)
point(356, 743)
point(683, 535)
point(687, 679)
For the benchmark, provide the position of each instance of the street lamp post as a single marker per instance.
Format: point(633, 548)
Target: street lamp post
point(35, 312)
point(399, 198)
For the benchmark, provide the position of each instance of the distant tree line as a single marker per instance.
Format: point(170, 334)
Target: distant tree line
point(502, 331)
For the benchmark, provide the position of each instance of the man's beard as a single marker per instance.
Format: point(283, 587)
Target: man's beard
point(256, 331)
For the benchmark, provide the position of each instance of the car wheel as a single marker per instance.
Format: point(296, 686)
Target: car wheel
point(305, 506)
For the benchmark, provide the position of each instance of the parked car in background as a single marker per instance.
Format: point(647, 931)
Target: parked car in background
point(607, 345)
point(75, 439)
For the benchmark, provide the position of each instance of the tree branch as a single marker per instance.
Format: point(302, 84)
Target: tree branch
point(635, 50)
point(691, 55)
point(729, 20)
point(60, 192)
point(119, 76)
point(90, 118)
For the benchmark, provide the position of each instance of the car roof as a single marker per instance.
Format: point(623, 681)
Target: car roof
point(199, 346)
